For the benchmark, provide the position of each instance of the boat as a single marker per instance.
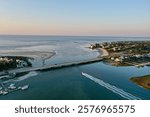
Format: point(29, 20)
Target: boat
point(19, 87)
point(4, 92)
point(1, 92)
point(83, 73)
point(25, 87)
point(12, 86)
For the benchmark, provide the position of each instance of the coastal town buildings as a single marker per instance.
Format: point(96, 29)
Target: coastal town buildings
point(13, 62)
point(126, 51)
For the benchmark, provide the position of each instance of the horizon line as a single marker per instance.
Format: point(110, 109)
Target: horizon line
point(75, 35)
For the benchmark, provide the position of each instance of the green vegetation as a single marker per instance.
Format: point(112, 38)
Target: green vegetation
point(11, 62)
point(143, 81)
point(128, 47)
point(126, 53)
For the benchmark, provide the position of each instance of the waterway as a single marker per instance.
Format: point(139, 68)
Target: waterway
point(106, 82)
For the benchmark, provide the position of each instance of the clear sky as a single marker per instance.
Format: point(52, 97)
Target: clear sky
point(75, 17)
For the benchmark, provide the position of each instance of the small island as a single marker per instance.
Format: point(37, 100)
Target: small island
point(143, 81)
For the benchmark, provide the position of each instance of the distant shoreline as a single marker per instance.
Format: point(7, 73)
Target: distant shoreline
point(115, 36)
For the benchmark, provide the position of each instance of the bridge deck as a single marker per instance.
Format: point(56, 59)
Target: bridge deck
point(54, 66)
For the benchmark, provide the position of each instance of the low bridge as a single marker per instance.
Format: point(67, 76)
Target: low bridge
point(54, 66)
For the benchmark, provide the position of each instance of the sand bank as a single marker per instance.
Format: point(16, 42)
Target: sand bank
point(32, 54)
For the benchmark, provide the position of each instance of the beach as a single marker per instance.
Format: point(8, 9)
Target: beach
point(103, 52)
point(41, 54)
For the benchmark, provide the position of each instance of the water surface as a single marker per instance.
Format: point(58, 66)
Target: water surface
point(69, 83)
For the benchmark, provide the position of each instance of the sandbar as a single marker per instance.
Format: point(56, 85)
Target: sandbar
point(32, 54)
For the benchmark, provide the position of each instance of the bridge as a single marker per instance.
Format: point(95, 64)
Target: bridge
point(54, 66)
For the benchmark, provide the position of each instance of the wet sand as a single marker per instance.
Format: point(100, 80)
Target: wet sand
point(32, 54)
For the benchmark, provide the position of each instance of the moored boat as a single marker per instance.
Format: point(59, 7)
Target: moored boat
point(25, 87)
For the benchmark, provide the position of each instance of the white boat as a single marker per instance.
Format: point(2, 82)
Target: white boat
point(4, 92)
point(25, 87)
point(12, 86)
point(19, 87)
point(83, 73)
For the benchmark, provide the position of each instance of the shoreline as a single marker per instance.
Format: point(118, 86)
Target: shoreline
point(103, 52)
point(44, 55)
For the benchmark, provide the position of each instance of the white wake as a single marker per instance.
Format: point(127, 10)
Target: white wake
point(112, 88)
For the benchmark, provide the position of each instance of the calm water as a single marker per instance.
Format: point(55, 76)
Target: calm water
point(108, 82)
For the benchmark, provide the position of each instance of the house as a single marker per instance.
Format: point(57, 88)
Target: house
point(112, 58)
point(117, 60)
point(93, 46)
point(21, 63)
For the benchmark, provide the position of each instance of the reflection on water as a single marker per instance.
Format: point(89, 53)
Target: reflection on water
point(69, 83)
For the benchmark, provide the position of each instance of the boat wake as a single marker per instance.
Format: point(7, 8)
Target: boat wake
point(112, 88)
point(30, 74)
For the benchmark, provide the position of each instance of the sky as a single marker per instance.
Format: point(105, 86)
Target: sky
point(75, 17)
